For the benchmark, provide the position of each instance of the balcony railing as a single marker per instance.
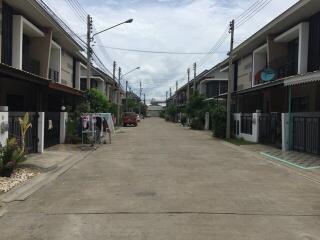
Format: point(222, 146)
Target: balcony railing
point(31, 65)
point(53, 75)
point(279, 68)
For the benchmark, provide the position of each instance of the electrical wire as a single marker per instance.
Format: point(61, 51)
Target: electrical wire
point(154, 52)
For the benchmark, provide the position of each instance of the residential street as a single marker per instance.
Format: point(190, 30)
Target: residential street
point(162, 181)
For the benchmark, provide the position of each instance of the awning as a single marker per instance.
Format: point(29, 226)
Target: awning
point(260, 87)
point(9, 71)
point(301, 79)
point(64, 88)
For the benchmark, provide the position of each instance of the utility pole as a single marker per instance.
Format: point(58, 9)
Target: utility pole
point(170, 93)
point(188, 87)
point(194, 77)
point(140, 99)
point(126, 96)
point(166, 96)
point(119, 95)
point(89, 50)
point(144, 99)
point(231, 31)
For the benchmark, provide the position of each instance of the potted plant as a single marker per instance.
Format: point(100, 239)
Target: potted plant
point(12, 153)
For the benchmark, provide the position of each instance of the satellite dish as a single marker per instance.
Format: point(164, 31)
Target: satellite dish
point(268, 74)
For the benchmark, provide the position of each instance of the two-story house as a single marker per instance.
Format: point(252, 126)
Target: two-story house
point(41, 69)
point(276, 74)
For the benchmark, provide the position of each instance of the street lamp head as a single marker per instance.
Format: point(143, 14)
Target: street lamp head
point(138, 68)
point(129, 20)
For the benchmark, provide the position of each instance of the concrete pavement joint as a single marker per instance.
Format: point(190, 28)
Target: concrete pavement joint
point(173, 213)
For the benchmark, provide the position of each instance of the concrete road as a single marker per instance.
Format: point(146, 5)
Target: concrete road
point(162, 181)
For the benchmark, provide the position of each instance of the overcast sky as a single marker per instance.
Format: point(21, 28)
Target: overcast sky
point(164, 25)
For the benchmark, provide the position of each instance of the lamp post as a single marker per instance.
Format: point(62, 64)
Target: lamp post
point(90, 39)
point(120, 77)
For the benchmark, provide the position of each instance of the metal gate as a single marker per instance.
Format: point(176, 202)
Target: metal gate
point(51, 129)
point(270, 129)
point(31, 138)
point(306, 133)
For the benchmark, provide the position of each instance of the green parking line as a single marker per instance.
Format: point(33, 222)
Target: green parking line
point(287, 162)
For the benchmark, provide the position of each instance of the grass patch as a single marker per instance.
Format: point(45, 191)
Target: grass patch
point(239, 141)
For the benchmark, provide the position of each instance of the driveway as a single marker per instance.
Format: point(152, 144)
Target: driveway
point(162, 181)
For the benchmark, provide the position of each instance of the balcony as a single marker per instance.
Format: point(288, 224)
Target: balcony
point(280, 68)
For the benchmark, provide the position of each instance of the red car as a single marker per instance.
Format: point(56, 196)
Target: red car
point(130, 118)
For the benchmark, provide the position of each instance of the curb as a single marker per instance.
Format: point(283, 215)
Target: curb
point(22, 192)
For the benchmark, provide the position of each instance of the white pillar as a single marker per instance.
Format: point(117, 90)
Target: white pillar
point(41, 124)
point(303, 48)
point(255, 127)
point(207, 121)
point(63, 126)
point(4, 128)
point(17, 40)
point(77, 75)
point(285, 131)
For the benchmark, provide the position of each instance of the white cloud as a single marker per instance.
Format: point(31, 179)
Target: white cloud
point(190, 26)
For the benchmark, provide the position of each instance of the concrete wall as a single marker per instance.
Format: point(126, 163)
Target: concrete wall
point(254, 137)
point(41, 123)
point(55, 59)
point(17, 39)
point(63, 126)
point(303, 48)
point(40, 50)
point(66, 69)
point(244, 73)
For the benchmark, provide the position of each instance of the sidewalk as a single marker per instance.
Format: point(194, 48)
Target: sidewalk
point(257, 150)
point(53, 162)
point(53, 156)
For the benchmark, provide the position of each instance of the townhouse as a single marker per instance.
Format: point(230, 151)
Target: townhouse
point(212, 83)
point(276, 90)
point(41, 72)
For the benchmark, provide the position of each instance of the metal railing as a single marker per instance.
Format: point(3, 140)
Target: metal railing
point(246, 123)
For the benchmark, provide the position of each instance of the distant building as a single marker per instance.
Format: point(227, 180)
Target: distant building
point(154, 110)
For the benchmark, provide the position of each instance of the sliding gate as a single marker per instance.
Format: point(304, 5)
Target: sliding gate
point(270, 129)
point(306, 132)
point(31, 138)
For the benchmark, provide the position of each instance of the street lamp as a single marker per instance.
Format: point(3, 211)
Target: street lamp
point(90, 39)
point(137, 68)
point(128, 21)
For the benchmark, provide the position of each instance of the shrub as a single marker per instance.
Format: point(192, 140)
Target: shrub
point(197, 124)
point(171, 111)
point(219, 118)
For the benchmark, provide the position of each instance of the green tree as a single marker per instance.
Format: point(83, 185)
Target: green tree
point(171, 111)
point(98, 102)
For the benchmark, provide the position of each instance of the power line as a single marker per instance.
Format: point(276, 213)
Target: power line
point(253, 13)
point(154, 52)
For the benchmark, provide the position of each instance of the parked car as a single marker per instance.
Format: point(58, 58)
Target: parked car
point(130, 118)
point(138, 118)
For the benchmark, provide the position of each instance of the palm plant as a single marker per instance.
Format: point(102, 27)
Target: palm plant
point(24, 127)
